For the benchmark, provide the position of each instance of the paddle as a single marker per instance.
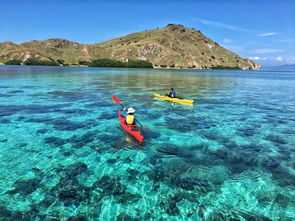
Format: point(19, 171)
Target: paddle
point(116, 99)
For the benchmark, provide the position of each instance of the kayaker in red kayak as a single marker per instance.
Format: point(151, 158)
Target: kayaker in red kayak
point(129, 124)
point(129, 115)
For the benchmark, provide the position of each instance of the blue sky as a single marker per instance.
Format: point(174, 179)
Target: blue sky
point(262, 30)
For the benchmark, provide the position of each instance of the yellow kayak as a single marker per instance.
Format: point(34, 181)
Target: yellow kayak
point(183, 101)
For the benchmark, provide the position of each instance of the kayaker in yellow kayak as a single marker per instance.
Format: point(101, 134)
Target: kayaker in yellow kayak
point(171, 94)
point(129, 115)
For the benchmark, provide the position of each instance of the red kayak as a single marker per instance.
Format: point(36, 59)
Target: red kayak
point(133, 130)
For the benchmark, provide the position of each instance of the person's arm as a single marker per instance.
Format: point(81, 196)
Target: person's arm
point(124, 113)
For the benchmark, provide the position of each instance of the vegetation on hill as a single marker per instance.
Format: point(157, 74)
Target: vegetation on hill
point(34, 61)
point(113, 63)
point(13, 62)
point(173, 46)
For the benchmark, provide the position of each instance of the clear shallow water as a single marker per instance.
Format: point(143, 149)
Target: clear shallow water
point(64, 155)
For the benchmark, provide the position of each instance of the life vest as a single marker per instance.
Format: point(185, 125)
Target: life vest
point(130, 119)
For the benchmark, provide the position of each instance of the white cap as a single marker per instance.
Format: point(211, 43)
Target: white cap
point(130, 110)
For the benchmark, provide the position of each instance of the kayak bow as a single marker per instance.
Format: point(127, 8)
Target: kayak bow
point(133, 130)
point(178, 100)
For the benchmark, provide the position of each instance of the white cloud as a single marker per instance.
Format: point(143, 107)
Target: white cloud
point(221, 25)
point(227, 40)
point(255, 58)
point(279, 58)
point(293, 59)
point(268, 34)
point(265, 50)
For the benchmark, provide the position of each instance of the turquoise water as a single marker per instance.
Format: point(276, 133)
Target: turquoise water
point(228, 157)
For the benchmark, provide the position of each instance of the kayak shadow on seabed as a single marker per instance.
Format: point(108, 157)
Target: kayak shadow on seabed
point(127, 142)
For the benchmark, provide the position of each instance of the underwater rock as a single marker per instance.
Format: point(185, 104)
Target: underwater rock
point(63, 124)
point(191, 183)
point(248, 132)
point(79, 142)
point(169, 205)
point(25, 187)
point(15, 91)
point(251, 149)
point(77, 218)
point(213, 135)
point(69, 190)
point(171, 149)
point(66, 193)
point(283, 200)
point(48, 201)
point(9, 110)
point(20, 118)
point(151, 134)
point(42, 131)
point(5, 121)
point(61, 93)
point(108, 138)
point(113, 186)
point(172, 208)
point(56, 141)
point(129, 198)
point(133, 172)
point(152, 115)
point(108, 115)
point(75, 169)
point(99, 148)
point(276, 139)
point(177, 125)
point(4, 212)
point(126, 217)
point(285, 155)
point(110, 186)
point(280, 174)
point(250, 216)
point(238, 158)
point(68, 96)
point(5, 95)
point(33, 214)
point(44, 120)
point(73, 111)
point(72, 193)
point(155, 159)
point(67, 154)
point(157, 174)
point(39, 109)
point(22, 145)
point(176, 167)
point(111, 161)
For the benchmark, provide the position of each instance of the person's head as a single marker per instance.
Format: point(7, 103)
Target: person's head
point(172, 89)
point(130, 110)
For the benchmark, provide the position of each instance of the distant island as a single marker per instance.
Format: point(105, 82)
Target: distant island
point(286, 67)
point(173, 46)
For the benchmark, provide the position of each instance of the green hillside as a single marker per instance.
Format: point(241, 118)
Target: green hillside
point(173, 46)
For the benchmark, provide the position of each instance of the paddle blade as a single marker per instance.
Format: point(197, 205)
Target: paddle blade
point(146, 128)
point(116, 99)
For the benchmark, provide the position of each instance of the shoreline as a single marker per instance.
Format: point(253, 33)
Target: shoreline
point(156, 68)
